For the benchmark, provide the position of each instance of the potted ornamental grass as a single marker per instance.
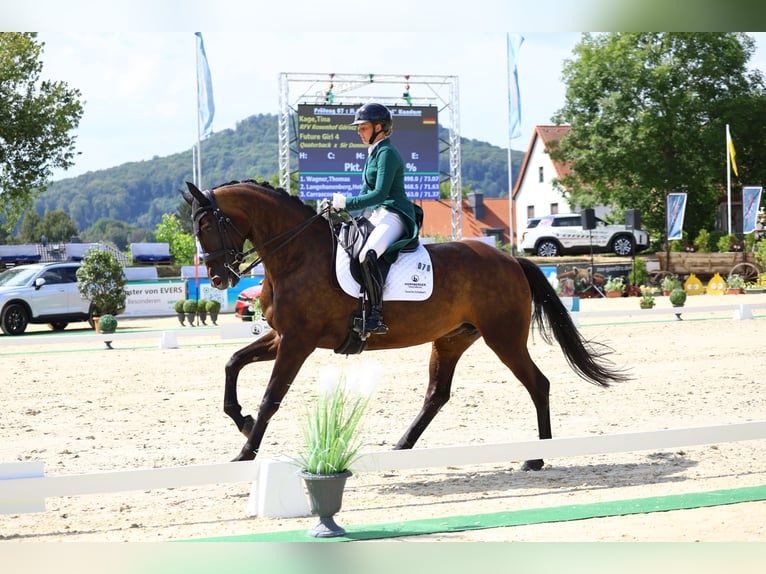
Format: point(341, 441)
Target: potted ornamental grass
point(332, 442)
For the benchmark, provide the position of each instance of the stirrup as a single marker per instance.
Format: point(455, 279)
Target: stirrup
point(374, 324)
point(375, 327)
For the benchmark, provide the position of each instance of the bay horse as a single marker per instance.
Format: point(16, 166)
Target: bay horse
point(478, 291)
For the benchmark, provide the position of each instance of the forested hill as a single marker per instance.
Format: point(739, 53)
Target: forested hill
point(140, 192)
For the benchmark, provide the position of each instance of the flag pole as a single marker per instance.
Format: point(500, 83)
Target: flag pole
point(198, 173)
point(728, 178)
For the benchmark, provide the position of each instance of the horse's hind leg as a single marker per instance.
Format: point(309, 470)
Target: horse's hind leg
point(536, 383)
point(445, 353)
point(264, 349)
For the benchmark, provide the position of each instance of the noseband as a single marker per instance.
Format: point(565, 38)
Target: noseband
point(233, 257)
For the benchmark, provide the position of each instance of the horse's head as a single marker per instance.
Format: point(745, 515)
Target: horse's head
point(220, 238)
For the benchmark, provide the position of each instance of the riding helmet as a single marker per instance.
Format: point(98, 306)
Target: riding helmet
point(375, 114)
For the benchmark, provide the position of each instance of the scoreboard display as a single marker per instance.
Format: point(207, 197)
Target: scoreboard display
point(331, 156)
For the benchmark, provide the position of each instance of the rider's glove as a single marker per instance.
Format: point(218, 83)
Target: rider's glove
point(338, 201)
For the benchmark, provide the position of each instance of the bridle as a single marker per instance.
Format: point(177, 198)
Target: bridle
point(232, 256)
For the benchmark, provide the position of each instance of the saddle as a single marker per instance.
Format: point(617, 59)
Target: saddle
point(351, 236)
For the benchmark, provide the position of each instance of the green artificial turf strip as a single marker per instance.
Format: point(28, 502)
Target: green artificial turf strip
point(513, 518)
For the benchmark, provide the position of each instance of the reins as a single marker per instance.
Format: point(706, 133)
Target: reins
point(233, 257)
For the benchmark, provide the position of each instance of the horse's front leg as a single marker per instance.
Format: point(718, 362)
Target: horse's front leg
point(263, 349)
point(291, 354)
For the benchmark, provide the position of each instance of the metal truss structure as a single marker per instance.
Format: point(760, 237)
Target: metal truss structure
point(356, 89)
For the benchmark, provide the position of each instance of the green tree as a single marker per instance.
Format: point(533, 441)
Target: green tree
point(181, 244)
point(118, 233)
point(101, 280)
point(57, 226)
point(30, 231)
point(648, 114)
point(37, 118)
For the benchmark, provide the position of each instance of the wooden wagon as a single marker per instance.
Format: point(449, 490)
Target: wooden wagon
point(705, 265)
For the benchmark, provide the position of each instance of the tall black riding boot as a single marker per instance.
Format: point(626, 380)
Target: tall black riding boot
point(373, 284)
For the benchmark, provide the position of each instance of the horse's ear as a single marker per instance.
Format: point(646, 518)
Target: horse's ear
point(187, 196)
point(195, 194)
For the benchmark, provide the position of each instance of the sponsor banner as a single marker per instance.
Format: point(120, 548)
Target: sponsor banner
point(751, 201)
point(157, 298)
point(676, 212)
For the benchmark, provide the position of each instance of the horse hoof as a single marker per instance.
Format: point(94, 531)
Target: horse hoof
point(536, 464)
point(245, 454)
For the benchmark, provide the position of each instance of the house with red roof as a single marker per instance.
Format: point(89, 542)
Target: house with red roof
point(482, 217)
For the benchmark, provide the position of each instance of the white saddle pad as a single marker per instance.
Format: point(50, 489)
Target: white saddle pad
point(411, 278)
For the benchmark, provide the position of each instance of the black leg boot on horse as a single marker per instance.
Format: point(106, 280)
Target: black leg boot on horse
point(373, 286)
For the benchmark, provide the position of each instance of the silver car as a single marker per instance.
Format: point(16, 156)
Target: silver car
point(41, 293)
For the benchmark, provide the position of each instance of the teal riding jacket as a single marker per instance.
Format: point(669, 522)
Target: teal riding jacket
point(383, 185)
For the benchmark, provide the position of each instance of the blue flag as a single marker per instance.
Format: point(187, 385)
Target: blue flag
point(514, 98)
point(204, 88)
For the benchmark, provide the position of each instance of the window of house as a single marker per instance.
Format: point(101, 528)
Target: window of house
point(554, 208)
point(540, 174)
point(530, 211)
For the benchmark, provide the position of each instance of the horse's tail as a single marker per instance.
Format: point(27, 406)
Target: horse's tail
point(586, 357)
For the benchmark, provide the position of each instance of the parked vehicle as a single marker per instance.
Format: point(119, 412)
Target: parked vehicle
point(247, 301)
point(41, 293)
point(563, 234)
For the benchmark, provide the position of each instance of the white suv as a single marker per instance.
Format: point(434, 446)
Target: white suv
point(41, 293)
point(562, 234)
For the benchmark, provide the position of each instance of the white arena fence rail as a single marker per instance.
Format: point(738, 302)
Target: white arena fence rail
point(277, 491)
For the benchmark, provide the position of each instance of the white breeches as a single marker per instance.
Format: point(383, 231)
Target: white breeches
point(388, 229)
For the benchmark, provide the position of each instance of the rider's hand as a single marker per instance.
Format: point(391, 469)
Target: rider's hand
point(338, 201)
point(325, 205)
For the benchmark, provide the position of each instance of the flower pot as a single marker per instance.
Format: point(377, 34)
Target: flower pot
point(325, 498)
point(180, 318)
point(734, 291)
point(614, 294)
point(202, 317)
point(647, 305)
point(190, 318)
point(214, 317)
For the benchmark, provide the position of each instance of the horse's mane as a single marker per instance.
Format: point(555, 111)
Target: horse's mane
point(275, 190)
